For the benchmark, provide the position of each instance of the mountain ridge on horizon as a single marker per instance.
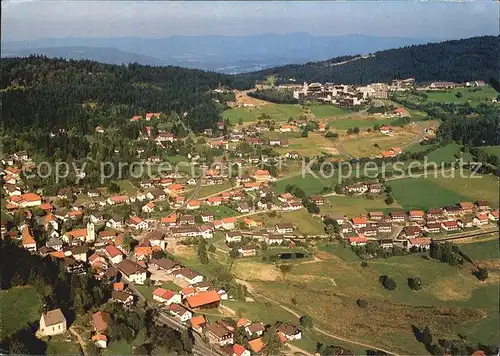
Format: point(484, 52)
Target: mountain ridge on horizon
point(221, 53)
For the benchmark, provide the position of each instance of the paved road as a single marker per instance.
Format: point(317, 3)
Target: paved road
point(199, 347)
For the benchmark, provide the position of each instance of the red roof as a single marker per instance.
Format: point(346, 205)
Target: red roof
point(113, 251)
point(27, 238)
point(360, 220)
point(120, 286)
point(358, 239)
point(203, 298)
point(420, 241)
point(256, 345)
point(238, 349)
point(262, 172)
point(163, 293)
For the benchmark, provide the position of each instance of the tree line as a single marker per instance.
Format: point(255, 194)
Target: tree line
point(457, 60)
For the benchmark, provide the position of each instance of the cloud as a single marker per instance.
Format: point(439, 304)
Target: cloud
point(24, 19)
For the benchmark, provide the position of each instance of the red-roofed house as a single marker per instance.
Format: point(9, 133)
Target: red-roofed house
point(137, 223)
point(402, 112)
point(113, 253)
point(262, 175)
point(27, 240)
point(481, 219)
point(166, 296)
point(203, 300)
point(239, 350)
point(358, 241)
point(256, 345)
point(359, 222)
point(228, 223)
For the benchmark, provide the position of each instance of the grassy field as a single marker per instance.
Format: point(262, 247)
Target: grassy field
point(211, 189)
point(448, 153)
point(221, 211)
point(353, 206)
point(349, 123)
point(63, 345)
point(20, 306)
point(434, 192)
point(268, 313)
point(313, 145)
point(487, 250)
point(303, 221)
point(324, 111)
point(309, 184)
point(492, 150)
point(341, 250)
point(449, 96)
point(277, 112)
point(423, 193)
point(450, 299)
point(126, 187)
point(370, 145)
point(480, 187)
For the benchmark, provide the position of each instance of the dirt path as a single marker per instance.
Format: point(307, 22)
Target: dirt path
point(80, 339)
point(294, 350)
point(251, 290)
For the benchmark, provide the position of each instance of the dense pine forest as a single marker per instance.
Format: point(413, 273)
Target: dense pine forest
point(459, 61)
point(51, 94)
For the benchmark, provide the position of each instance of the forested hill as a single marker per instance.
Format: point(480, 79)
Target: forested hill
point(458, 61)
point(41, 94)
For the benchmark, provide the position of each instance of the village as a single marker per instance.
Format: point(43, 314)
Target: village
point(99, 245)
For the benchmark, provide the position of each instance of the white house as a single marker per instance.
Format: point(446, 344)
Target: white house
point(113, 254)
point(180, 312)
point(52, 322)
point(132, 272)
point(166, 296)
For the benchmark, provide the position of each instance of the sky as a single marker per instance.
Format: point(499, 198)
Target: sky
point(34, 19)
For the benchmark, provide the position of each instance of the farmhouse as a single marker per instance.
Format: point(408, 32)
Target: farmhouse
point(467, 207)
point(433, 227)
point(132, 272)
point(412, 231)
point(165, 264)
point(101, 321)
point(358, 240)
point(233, 236)
point(483, 205)
point(203, 300)
point(284, 228)
point(449, 225)
point(189, 275)
point(359, 222)
point(218, 334)
point(291, 332)
point(247, 251)
point(481, 219)
point(421, 243)
point(318, 199)
point(166, 296)
point(262, 175)
point(180, 312)
point(122, 297)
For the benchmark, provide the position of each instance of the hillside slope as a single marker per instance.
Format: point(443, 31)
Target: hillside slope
point(48, 94)
point(459, 60)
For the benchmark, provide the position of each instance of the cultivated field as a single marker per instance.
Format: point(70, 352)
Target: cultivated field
point(277, 112)
point(326, 111)
point(313, 145)
point(434, 192)
point(303, 221)
point(468, 95)
point(370, 144)
point(355, 205)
